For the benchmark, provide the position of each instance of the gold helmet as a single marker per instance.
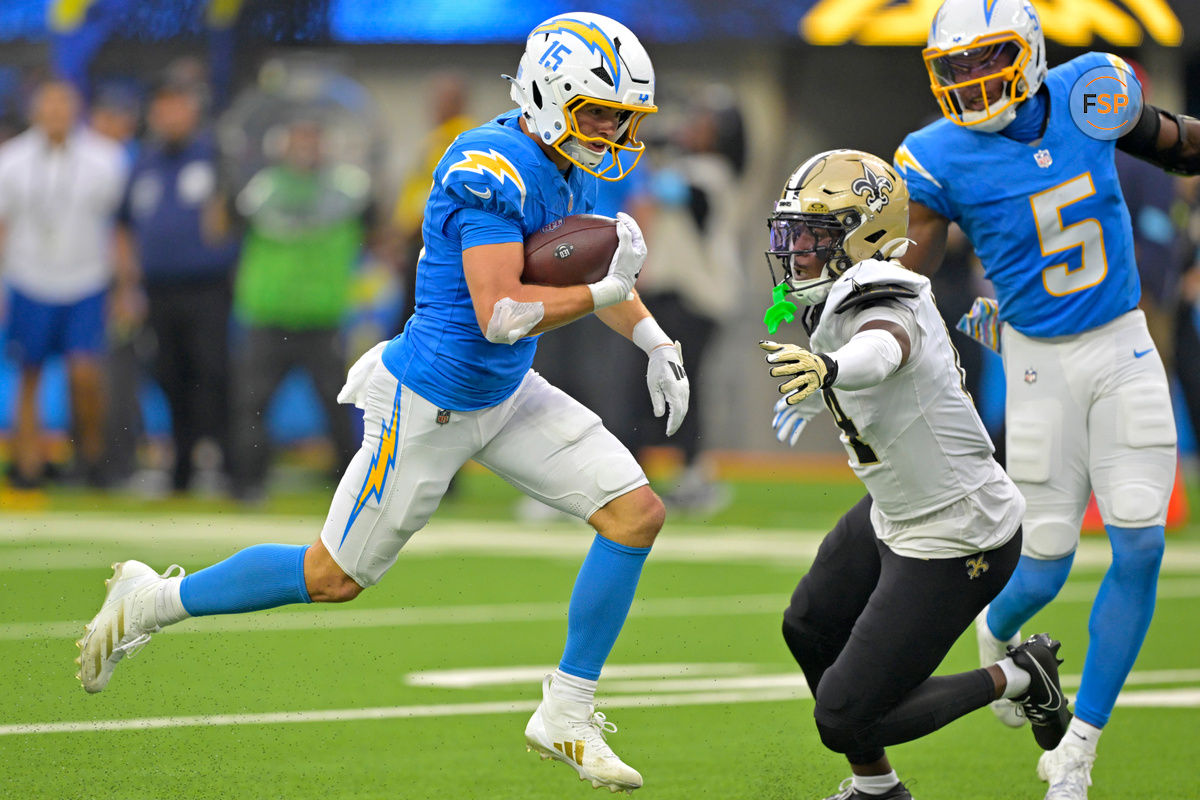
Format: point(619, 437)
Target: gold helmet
point(844, 206)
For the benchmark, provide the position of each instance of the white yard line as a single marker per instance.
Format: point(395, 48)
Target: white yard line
point(393, 712)
point(769, 689)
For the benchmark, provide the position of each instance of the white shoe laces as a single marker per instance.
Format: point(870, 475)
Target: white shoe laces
point(593, 730)
point(1074, 778)
point(601, 724)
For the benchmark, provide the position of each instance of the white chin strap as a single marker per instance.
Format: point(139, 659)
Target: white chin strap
point(584, 155)
point(812, 292)
point(976, 120)
point(894, 248)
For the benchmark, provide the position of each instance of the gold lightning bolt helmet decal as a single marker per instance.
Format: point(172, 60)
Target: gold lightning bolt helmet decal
point(491, 163)
point(592, 36)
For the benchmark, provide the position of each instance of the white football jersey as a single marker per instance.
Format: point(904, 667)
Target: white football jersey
point(915, 439)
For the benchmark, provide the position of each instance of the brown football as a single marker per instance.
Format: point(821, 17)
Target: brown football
point(570, 251)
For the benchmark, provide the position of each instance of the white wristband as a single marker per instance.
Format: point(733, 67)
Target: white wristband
point(649, 336)
point(865, 360)
point(608, 291)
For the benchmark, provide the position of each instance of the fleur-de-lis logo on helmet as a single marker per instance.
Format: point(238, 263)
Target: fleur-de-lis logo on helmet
point(872, 188)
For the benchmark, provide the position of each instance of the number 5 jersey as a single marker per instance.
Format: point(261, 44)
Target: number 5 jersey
point(1047, 218)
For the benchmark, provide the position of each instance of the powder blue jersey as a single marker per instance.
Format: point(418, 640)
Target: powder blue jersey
point(1047, 220)
point(493, 185)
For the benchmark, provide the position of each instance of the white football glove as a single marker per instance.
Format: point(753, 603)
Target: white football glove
point(668, 385)
point(813, 371)
point(617, 285)
point(788, 423)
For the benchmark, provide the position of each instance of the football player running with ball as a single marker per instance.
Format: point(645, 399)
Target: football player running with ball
point(457, 385)
point(906, 570)
point(1020, 165)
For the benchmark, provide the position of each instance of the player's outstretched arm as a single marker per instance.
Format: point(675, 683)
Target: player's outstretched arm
point(1166, 139)
point(875, 351)
point(927, 229)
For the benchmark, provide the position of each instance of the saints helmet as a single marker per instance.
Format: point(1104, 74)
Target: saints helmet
point(844, 206)
point(974, 42)
point(579, 58)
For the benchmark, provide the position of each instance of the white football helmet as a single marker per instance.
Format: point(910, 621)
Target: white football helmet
point(844, 206)
point(975, 42)
point(577, 59)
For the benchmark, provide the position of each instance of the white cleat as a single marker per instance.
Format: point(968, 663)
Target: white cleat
point(992, 650)
point(573, 733)
point(120, 629)
point(1068, 770)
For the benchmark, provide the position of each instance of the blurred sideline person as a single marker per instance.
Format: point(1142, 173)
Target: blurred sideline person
point(1187, 308)
point(448, 99)
point(1087, 408)
point(115, 113)
point(175, 255)
point(305, 221)
point(457, 385)
point(59, 187)
point(692, 278)
point(906, 570)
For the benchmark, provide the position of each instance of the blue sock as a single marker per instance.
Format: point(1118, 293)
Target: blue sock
point(1033, 584)
point(1120, 618)
point(600, 602)
point(262, 576)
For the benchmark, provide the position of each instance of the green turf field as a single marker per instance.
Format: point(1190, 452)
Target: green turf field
point(421, 688)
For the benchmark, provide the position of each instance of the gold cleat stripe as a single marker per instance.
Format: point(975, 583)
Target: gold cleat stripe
point(579, 751)
point(121, 623)
point(559, 747)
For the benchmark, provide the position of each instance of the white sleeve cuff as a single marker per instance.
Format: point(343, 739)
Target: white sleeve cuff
point(868, 358)
point(649, 336)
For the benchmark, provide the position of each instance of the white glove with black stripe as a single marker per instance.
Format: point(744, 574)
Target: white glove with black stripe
point(668, 384)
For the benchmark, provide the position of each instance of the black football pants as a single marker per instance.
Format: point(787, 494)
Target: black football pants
point(868, 627)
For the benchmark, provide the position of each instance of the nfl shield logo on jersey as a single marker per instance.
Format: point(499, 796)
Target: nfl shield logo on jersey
point(443, 416)
point(1043, 159)
point(1031, 375)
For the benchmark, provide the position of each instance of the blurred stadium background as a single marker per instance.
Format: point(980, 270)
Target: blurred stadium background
point(804, 76)
point(799, 77)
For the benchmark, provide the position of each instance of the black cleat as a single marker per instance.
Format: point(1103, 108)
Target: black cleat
point(1044, 703)
point(847, 792)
